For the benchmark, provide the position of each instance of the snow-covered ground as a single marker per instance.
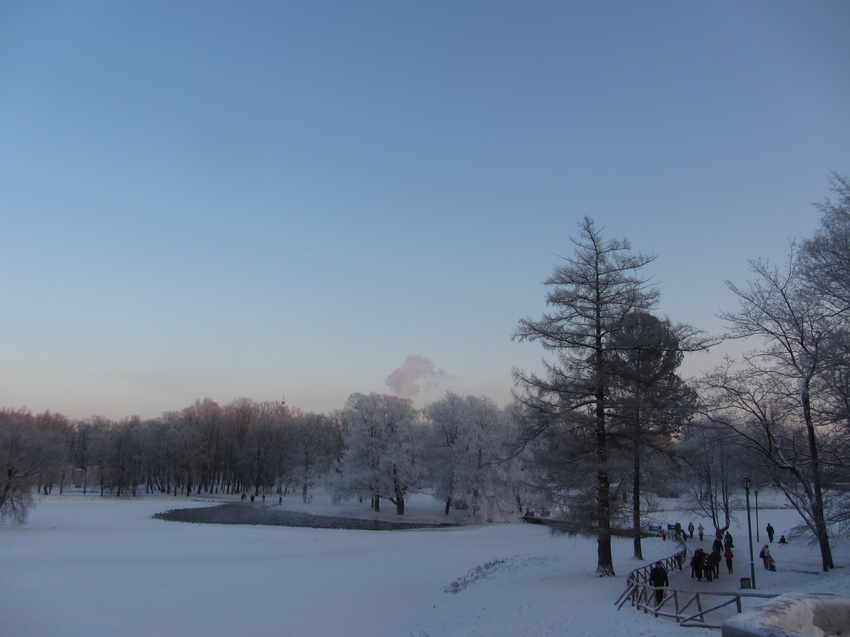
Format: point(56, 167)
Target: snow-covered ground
point(91, 566)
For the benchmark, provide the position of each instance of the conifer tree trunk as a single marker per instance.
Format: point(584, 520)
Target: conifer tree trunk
point(636, 523)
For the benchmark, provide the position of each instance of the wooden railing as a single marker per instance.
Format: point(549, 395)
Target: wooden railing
point(688, 608)
point(676, 561)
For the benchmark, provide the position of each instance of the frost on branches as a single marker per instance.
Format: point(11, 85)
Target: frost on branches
point(382, 453)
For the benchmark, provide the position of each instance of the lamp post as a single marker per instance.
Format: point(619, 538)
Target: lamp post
point(758, 526)
point(746, 483)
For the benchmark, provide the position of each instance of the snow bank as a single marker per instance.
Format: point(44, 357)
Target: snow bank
point(793, 615)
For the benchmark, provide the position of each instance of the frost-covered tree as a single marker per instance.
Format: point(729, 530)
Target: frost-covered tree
point(206, 418)
point(123, 456)
point(826, 256)
point(777, 400)
point(825, 260)
point(314, 450)
point(590, 296)
point(182, 446)
point(155, 470)
point(55, 446)
point(27, 451)
point(82, 451)
point(20, 461)
point(715, 461)
point(239, 417)
point(266, 453)
point(468, 451)
point(447, 419)
point(383, 450)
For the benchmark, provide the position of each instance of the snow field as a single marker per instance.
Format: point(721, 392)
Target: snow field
point(100, 567)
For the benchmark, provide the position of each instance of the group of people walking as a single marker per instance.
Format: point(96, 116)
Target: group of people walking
point(707, 565)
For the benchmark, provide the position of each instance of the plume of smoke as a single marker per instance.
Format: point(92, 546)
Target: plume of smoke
point(405, 381)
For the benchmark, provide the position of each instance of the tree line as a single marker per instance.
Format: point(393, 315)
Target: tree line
point(244, 446)
point(605, 428)
point(379, 448)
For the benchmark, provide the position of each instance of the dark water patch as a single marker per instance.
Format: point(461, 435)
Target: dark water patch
point(247, 514)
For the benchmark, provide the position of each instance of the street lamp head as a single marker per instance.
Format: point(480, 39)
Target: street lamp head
point(746, 483)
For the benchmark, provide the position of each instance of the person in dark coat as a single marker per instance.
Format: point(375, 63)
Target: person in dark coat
point(715, 562)
point(769, 532)
point(698, 563)
point(658, 578)
point(691, 529)
point(727, 541)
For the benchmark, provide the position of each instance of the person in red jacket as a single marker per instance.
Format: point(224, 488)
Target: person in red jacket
point(728, 554)
point(765, 556)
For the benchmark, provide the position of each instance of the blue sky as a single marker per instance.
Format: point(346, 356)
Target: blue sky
point(262, 199)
